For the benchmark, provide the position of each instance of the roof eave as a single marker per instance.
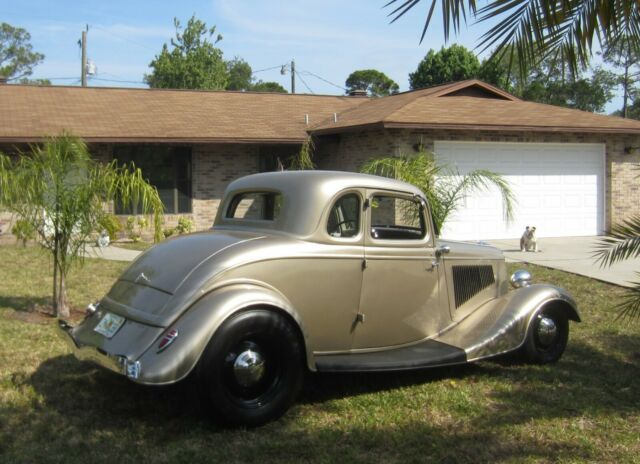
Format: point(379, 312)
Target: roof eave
point(475, 127)
point(181, 140)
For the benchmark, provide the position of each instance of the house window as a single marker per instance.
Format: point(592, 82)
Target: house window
point(276, 157)
point(166, 168)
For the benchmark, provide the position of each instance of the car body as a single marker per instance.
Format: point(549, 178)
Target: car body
point(319, 271)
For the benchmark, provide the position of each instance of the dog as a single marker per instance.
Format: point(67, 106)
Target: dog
point(528, 240)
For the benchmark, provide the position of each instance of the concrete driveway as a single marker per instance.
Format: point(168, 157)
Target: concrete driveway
point(571, 254)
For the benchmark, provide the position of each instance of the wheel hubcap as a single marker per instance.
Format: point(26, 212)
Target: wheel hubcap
point(547, 330)
point(248, 368)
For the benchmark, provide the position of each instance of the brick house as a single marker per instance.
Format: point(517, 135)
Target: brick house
point(572, 171)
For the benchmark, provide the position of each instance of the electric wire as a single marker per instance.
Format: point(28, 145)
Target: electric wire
point(324, 80)
point(303, 81)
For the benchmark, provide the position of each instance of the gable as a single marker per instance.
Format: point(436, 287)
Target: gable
point(476, 92)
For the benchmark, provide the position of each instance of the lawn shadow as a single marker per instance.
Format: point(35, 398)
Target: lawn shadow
point(586, 382)
point(24, 304)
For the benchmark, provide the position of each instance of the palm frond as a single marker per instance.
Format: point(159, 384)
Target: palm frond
point(623, 242)
point(630, 305)
point(535, 29)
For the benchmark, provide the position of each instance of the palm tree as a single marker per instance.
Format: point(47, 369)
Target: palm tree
point(533, 29)
point(445, 188)
point(623, 242)
point(61, 192)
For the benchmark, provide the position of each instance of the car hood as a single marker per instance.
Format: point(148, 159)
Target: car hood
point(165, 266)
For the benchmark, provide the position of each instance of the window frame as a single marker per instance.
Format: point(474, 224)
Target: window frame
point(427, 239)
point(361, 217)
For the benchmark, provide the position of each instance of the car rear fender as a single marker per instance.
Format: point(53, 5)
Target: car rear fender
point(201, 321)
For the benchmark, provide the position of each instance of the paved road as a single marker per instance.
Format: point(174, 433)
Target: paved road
point(572, 254)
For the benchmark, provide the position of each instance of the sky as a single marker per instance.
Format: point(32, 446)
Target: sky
point(328, 39)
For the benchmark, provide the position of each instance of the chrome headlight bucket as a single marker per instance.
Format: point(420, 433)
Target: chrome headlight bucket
point(520, 278)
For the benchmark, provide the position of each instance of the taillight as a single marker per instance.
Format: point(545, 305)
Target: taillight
point(167, 340)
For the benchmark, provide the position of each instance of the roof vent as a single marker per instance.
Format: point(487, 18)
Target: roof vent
point(335, 117)
point(358, 93)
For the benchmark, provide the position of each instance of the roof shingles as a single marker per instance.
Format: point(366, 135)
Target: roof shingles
point(28, 113)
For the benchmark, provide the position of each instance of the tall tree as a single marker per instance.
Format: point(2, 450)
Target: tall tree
point(530, 29)
point(376, 83)
point(17, 58)
point(623, 56)
point(194, 62)
point(240, 74)
point(60, 191)
point(454, 63)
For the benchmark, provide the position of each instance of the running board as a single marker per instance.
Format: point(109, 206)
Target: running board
point(429, 353)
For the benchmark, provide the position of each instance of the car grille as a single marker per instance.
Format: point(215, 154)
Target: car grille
point(469, 281)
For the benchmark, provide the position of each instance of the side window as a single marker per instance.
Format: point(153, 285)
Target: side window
point(344, 217)
point(395, 218)
point(255, 206)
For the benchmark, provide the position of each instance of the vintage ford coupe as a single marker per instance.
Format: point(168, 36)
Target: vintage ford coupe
point(318, 271)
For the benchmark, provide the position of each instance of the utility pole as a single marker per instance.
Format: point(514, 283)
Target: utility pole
point(293, 76)
point(83, 72)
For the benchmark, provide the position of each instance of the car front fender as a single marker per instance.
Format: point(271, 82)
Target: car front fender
point(201, 321)
point(502, 324)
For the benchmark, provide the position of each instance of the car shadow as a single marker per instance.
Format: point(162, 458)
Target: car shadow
point(587, 382)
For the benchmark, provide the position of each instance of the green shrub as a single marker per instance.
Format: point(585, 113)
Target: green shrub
point(112, 225)
point(130, 228)
point(24, 231)
point(168, 232)
point(184, 226)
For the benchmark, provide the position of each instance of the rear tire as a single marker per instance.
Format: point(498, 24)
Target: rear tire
point(252, 368)
point(547, 336)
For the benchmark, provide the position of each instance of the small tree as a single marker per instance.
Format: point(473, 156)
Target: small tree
point(61, 192)
point(17, 57)
point(376, 83)
point(444, 188)
point(240, 74)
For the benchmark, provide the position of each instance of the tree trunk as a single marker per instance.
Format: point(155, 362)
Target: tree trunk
point(61, 303)
point(55, 276)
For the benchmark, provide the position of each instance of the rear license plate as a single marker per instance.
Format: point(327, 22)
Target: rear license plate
point(109, 324)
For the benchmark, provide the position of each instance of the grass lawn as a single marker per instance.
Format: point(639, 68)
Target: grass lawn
point(53, 408)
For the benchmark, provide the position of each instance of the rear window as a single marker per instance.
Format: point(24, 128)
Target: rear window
point(255, 206)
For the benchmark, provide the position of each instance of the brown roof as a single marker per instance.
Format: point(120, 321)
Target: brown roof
point(143, 115)
point(29, 113)
point(474, 105)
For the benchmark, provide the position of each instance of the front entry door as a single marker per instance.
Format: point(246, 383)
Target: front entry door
point(400, 298)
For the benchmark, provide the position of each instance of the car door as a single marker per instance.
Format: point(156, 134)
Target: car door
point(400, 301)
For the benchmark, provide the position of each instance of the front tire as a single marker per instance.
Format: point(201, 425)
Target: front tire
point(252, 369)
point(547, 336)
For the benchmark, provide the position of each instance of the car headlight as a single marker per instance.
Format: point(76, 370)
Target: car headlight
point(520, 278)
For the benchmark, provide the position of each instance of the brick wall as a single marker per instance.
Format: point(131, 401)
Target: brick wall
point(622, 187)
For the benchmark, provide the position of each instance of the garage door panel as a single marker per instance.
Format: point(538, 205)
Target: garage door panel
point(558, 188)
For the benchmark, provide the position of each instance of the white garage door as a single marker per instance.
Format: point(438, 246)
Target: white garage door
point(559, 189)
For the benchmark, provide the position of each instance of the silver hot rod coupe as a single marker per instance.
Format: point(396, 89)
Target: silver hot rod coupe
point(318, 271)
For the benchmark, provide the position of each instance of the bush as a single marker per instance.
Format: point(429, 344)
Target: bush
point(130, 227)
point(184, 226)
point(24, 231)
point(111, 224)
point(168, 232)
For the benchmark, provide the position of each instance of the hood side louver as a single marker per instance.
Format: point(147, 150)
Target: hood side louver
point(469, 281)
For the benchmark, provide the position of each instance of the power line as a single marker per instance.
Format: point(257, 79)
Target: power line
point(303, 81)
point(324, 80)
point(268, 69)
point(116, 80)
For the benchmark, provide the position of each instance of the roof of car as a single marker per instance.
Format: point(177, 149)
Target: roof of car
point(328, 182)
point(307, 195)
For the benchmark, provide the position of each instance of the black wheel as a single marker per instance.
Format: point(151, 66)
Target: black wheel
point(547, 337)
point(252, 369)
